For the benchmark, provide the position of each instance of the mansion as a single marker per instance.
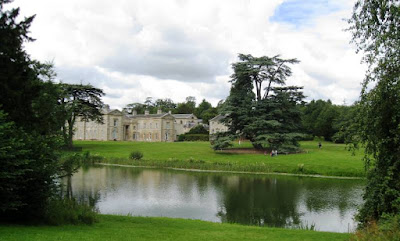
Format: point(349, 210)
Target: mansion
point(216, 125)
point(120, 126)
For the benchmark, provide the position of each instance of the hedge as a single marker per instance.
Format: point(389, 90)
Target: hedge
point(193, 137)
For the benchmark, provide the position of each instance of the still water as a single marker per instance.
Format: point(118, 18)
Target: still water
point(270, 200)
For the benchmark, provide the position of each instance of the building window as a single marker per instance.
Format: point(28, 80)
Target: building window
point(134, 136)
point(156, 137)
point(156, 125)
point(114, 134)
point(181, 122)
point(134, 127)
point(166, 136)
point(149, 136)
point(115, 122)
point(167, 125)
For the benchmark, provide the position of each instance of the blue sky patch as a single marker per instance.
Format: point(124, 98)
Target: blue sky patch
point(302, 12)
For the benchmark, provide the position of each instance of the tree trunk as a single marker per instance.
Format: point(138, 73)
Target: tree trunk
point(69, 187)
point(256, 146)
point(65, 135)
point(258, 89)
point(70, 134)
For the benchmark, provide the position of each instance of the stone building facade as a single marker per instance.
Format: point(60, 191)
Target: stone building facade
point(217, 126)
point(184, 122)
point(120, 126)
point(110, 129)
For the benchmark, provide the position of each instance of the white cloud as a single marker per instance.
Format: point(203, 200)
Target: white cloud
point(173, 49)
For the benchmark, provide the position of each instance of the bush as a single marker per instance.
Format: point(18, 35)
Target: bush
point(70, 211)
point(95, 159)
point(181, 137)
point(388, 229)
point(199, 129)
point(300, 167)
point(136, 155)
point(193, 137)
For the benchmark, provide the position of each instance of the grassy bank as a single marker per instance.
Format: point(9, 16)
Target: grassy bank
point(140, 228)
point(331, 160)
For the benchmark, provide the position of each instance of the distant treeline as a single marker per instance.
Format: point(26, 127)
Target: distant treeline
point(320, 118)
point(204, 110)
point(323, 119)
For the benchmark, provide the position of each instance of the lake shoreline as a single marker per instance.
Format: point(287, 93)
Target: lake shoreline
point(234, 172)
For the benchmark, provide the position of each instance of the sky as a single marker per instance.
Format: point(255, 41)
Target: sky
point(133, 49)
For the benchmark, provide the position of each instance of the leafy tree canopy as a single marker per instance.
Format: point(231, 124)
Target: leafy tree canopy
point(79, 101)
point(375, 29)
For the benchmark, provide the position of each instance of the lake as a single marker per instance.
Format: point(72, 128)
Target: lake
point(263, 200)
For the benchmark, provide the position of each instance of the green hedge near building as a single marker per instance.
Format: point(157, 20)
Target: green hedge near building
point(193, 137)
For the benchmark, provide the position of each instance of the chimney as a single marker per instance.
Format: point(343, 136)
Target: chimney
point(134, 112)
point(106, 107)
point(159, 112)
point(146, 112)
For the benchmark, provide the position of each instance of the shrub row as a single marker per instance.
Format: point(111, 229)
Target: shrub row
point(193, 137)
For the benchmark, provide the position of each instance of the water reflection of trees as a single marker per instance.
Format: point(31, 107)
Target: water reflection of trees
point(245, 199)
point(260, 201)
point(328, 194)
point(277, 201)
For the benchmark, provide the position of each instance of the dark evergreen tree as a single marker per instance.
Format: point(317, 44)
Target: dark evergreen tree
point(269, 118)
point(277, 124)
point(19, 84)
point(28, 168)
point(28, 160)
point(238, 105)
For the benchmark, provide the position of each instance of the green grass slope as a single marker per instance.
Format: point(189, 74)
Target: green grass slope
point(139, 228)
point(332, 159)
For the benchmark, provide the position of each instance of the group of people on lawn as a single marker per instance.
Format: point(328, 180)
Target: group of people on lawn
point(275, 152)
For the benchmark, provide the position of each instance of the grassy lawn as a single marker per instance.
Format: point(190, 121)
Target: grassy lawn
point(331, 160)
point(141, 228)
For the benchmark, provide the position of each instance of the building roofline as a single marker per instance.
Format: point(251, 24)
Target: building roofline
point(217, 118)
